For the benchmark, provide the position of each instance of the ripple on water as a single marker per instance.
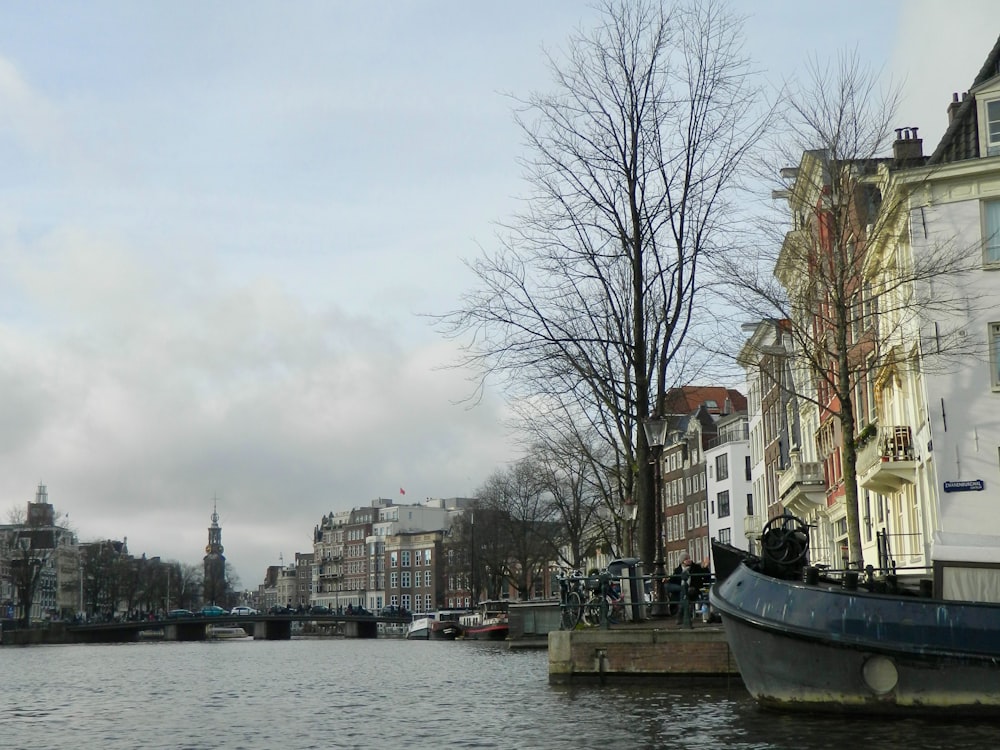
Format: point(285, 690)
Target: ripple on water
point(303, 694)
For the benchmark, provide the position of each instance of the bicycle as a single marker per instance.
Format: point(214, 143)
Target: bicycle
point(572, 594)
point(604, 604)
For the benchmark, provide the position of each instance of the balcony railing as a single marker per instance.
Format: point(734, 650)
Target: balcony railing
point(732, 436)
point(888, 461)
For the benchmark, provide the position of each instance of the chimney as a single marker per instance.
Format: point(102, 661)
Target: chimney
point(907, 148)
point(955, 104)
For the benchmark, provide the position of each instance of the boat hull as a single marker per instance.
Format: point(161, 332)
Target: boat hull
point(487, 632)
point(433, 629)
point(445, 631)
point(824, 648)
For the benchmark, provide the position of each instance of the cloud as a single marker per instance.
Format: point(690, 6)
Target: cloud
point(150, 388)
point(25, 115)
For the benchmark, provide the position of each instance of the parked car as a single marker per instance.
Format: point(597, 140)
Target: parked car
point(278, 609)
point(239, 611)
point(176, 614)
point(211, 610)
point(319, 609)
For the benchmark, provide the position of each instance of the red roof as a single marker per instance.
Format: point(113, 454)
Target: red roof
point(716, 398)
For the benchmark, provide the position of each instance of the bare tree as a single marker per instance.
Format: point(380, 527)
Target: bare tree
point(567, 475)
point(836, 282)
point(591, 293)
point(524, 519)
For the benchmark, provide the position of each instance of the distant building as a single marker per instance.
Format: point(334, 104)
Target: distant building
point(49, 548)
point(215, 563)
point(729, 481)
point(694, 413)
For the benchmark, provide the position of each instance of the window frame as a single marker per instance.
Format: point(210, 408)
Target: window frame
point(991, 128)
point(993, 334)
point(722, 467)
point(723, 504)
point(991, 239)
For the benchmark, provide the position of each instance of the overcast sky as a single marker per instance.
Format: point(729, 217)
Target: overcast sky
point(220, 223)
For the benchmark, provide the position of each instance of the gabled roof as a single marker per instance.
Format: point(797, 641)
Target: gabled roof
point(717, 399)
point(961, 140)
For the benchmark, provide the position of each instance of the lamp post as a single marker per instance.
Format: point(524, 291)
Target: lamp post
point(79, 569)
point(631, 513)
point(656, 434)
point(472, 557)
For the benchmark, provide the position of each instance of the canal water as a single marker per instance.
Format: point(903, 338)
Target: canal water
point(305, 694)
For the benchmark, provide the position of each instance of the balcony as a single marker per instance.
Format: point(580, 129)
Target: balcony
point(752, 527)
point(888, 462)
point(802, 485)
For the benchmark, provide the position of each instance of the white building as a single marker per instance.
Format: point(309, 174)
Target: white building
point(936, 462)
point(729, 483)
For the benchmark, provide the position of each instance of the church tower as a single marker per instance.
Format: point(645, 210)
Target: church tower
point(215, 562)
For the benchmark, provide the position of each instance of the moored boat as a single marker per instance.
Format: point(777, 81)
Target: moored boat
point(435, 626)
point(488, 624)
point(814, 640)
point(219, 632)
point(420, 627)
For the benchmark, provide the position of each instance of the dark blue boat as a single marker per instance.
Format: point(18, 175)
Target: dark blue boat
point(808, 640)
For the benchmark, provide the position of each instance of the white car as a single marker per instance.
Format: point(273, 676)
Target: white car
point(243, 611)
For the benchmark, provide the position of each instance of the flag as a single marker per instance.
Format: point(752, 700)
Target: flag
point(402, 491)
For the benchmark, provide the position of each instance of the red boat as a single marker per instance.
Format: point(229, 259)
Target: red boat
point(488, 624)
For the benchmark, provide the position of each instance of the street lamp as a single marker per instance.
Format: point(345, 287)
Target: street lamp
point(656, 436)
point(631, 513)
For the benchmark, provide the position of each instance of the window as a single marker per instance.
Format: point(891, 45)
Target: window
point(993, 128)
point(722, 467)
point(995, 355)
point(428, 580)
point(749, 503)
point(406, 558)
point(393, 559)
point(726, 536)
point(991, 232)
point(405, 580)
point(747, 468)
point(722, 500)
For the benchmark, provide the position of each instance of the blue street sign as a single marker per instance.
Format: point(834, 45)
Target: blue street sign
point(970, 485)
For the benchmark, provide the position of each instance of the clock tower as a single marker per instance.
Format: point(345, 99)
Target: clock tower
point(215, 562)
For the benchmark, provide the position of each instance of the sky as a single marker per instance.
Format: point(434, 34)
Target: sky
point(223, 226)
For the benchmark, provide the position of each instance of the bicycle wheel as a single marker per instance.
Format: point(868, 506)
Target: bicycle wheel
point(572, 610)
point(592, 612)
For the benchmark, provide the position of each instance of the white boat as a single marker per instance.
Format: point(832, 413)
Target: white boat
point(219, 632)
point(434, 626)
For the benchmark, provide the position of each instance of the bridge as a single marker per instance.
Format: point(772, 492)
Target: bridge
point(260, 626)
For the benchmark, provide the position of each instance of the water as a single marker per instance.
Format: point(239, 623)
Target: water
point(304, 694)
